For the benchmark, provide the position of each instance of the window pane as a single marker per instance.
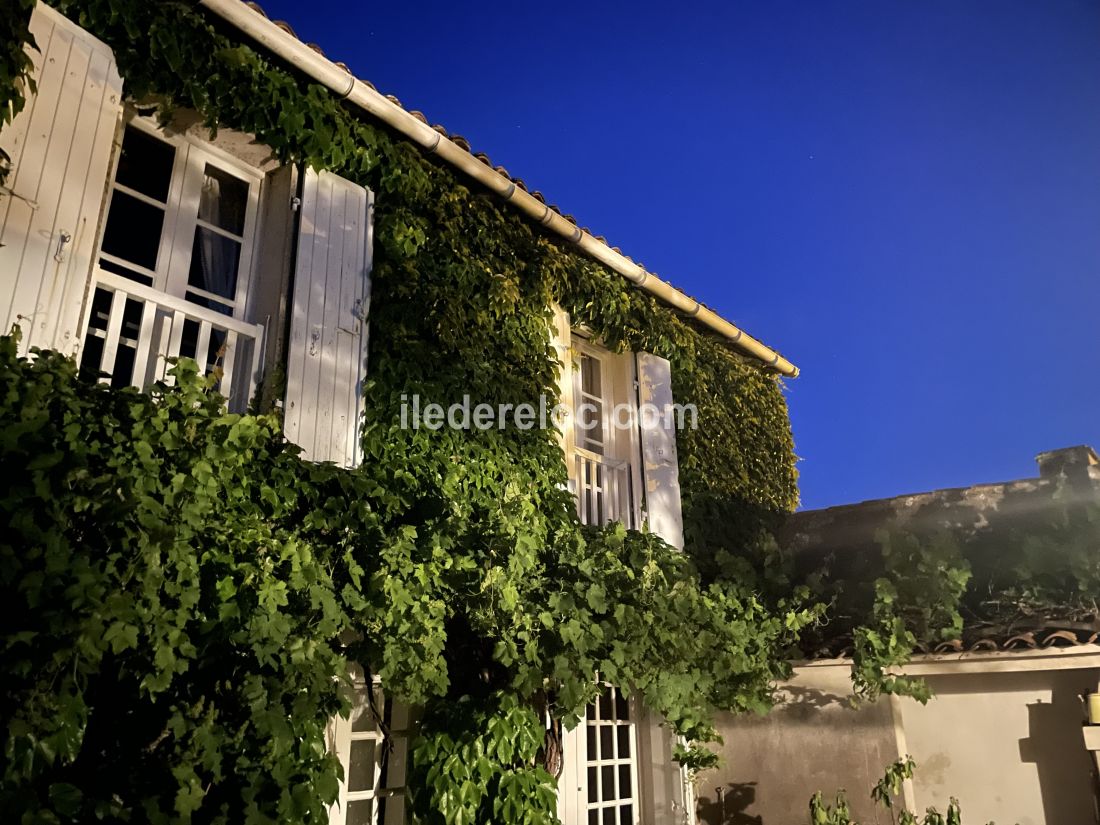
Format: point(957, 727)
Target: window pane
point(593, 788)
point(590, 730)
point(361, 767)
point(626, 815)
point(394, 762)
point(223, 200)
point(607, 777)
point(606, 733)
point(360, 812)
point(133, 230)
point(622, 707)
point(624, 741)
point(590, 376)
point(214, 263)
point(145, 164)
point(624, 782)
point(362, 718)
point(391, 810)
point(609, 816)
point(594, 817)
point(606, 709)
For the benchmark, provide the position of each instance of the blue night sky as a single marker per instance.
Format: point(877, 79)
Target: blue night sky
point(903, 197)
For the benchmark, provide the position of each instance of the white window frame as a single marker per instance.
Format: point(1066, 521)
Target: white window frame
point(342, 739)
point(607, 484)
point(181, 220)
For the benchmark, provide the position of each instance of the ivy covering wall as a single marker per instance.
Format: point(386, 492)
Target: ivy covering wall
point(451, 563)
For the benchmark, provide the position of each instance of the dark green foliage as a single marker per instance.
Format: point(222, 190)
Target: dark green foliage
point(173, 598)
point(885, 794)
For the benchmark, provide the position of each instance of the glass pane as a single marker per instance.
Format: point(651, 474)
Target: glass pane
point(398, 715)
point(594, 817)
point(624, 782)
point(133, 230)
point(606, 734)
point(609, 816)
point(626, 815)
point(362, 718)
point(394, 762)
point(590, 376)
point(223, 200)
point(622, 707)
point(607, 777)
point(391, 810)
point(361, 767)
point(145, 164)
point(591, 732)
point(214, 263)
point(593, 788)
point(624, 741)
point(360, 812)
point(606, 709)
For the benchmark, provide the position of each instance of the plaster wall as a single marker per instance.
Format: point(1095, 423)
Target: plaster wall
point(1007, 745)
point(815, 740)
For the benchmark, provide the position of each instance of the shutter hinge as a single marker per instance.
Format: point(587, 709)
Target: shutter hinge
point(295, 203)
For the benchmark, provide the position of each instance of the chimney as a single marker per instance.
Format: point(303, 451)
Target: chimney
point(1074, 464)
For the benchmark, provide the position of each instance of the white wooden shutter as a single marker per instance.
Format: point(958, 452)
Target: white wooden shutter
point(563, 343)
point(326, 358)
point(60, 149)
point(657, 427)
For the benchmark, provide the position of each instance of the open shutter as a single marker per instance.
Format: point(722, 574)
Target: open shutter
point(563, 349)
point(60, 151)
point(657, 426)
point(326, 357)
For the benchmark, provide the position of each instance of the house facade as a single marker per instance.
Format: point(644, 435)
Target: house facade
point(131, 235)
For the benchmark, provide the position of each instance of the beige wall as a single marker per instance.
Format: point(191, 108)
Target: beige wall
point(772, 764)
point(1003, 735)
point(1007, 745)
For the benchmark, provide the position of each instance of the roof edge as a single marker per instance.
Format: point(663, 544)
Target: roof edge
point(251, 22)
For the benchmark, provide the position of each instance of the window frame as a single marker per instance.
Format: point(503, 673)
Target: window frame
point(341, 739)
point(181, 222)
point(622, 447)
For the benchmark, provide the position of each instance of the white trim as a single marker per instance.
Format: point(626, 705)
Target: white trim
point(984, 661)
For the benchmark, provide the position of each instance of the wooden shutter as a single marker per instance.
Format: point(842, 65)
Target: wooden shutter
point(60, 148)
point(563, 343)
point(326, 357)
point(660, 472)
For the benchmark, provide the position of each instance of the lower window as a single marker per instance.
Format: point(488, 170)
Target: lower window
point(611, 760)
point(373, 747)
